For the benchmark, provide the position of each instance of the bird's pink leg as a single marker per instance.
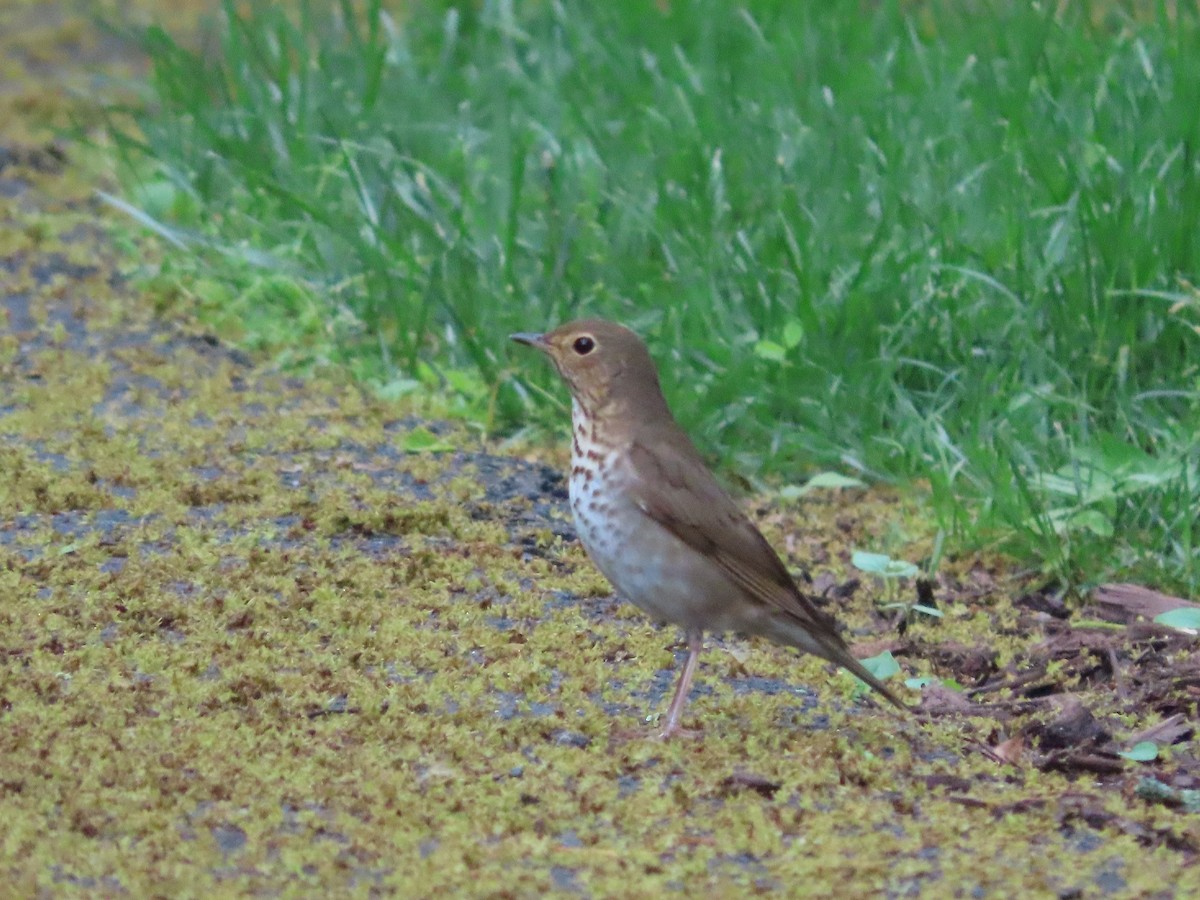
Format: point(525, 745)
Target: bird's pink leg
point(695, 642)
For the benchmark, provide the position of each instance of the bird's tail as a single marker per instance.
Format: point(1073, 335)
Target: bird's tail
point(819, 637)
point(847, 661)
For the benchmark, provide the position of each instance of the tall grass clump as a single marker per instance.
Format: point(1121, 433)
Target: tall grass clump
point(950, 243)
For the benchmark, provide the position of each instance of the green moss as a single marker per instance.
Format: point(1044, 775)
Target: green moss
point(248, 646)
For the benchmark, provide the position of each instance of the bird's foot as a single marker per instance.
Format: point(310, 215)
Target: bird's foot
point(657, 734)
point(667, 732)
point(679, 731)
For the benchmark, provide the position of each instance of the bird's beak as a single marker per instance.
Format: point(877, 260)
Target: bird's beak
point(530, 339)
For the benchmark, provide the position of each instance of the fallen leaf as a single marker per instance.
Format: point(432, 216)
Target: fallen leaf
point(1166, 732)
point(1133, 600)
point(1010, 751)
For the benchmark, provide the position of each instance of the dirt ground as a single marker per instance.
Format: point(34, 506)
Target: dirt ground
point(251, 644)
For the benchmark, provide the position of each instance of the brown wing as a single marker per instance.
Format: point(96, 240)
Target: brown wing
point(675, 488)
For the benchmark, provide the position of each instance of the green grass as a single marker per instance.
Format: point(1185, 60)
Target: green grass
point(949, 244)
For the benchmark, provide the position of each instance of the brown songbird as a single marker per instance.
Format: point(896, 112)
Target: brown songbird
point(655, 521)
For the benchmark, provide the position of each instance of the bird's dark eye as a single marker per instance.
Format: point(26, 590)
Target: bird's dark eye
point(584, 345)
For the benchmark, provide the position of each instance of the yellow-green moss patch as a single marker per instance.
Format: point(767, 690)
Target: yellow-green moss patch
point(249, 645)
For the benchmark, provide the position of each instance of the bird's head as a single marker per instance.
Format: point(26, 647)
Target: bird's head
point(605, 365)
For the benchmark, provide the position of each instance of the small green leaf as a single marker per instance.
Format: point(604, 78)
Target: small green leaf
point(928, 610)
point(397, 388)
point(1092, 520)
point(770, 351)
point(882, 565)
point(875, 563)
point(1071, 521)
point(793, 334)
point(834, 480)
point(1185, 618)
point(422, 440)
point(822, 480)
point(1143, 751)
point(901, 569)
point(155, 197)
point(882, 666)
point(919, 683)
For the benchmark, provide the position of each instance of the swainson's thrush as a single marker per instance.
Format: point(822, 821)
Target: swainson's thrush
point(656, 522)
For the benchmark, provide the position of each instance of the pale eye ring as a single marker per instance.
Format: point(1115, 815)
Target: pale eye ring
point(583, 345)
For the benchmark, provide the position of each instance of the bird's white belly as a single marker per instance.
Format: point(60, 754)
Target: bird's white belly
point(647, 564)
